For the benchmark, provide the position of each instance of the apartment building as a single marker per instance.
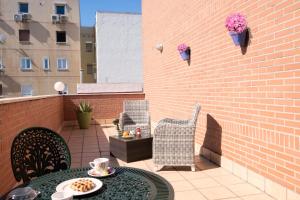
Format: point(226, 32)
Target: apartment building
point(40, 45)
point(119, 47)
point(88, 55)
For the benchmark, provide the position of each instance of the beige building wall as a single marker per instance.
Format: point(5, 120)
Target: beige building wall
point(42, 44)
point(87, 35)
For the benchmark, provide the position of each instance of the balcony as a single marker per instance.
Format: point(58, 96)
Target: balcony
point(210, 181)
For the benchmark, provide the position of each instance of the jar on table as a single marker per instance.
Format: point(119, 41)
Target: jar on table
point(138, 132)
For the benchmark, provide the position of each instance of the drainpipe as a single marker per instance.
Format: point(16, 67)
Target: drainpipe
point(81, 75)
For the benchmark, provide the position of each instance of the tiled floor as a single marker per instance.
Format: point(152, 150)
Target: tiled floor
point(207, 183)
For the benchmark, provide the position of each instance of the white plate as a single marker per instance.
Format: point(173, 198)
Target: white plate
point(66, 186)
point(90, 173)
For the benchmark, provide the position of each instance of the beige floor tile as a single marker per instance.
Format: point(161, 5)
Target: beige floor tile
point(257, 197)
point(194, 175)
point(204, 183)
point(217, 193)
point(182, 186)
point(244, 189)
point(217, 172)
point(189, 195)
point(228, 180)
point(175, 176)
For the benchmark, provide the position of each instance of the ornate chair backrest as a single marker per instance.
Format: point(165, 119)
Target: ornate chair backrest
point(37, 151)
point(195, 114)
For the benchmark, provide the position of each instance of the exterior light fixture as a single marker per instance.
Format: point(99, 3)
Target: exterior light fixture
point(159, 47)
point(59, 87)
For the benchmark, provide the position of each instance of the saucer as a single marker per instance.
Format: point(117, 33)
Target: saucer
point(93, 173)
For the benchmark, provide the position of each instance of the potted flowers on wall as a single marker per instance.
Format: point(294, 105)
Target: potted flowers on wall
point(184, 51)
point(84, 115)
point(237, 26)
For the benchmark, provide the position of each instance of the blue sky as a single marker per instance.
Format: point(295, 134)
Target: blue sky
point(88, 8)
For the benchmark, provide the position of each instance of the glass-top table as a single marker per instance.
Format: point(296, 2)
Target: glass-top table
point(125, 183)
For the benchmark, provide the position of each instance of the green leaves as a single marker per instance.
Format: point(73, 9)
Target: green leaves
point(84, 107)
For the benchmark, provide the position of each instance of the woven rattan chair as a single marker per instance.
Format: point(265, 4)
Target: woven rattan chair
point(174, 140)
point(135, 115)
point(37, 151)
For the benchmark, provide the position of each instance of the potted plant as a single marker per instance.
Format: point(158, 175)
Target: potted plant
point(184, 51)
point(236, 25)
point(84, 114)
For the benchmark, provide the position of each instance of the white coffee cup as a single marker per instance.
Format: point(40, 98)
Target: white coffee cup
point(100, 164)
point(62, 196)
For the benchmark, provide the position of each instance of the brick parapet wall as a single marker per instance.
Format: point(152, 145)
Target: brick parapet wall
point(250, 99)
point(105, 106)
point(19, 114)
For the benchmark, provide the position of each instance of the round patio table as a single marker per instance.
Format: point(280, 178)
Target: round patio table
point(125, 183)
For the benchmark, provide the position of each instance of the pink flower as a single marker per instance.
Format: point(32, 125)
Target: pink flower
point(182, 47)
point(236, 23)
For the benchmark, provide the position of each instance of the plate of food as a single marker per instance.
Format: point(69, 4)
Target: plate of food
point(80, 186)
point(94, 173)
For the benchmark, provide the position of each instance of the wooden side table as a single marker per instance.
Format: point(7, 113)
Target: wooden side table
point(129, 150)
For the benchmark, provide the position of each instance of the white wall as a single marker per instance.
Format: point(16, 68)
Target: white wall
point(118, 48)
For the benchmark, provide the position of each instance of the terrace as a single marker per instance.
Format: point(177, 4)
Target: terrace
point(247, 140)
point(210, 181)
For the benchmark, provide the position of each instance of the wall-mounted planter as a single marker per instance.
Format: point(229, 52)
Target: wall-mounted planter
point(235, 38)
point(185, 55)
point(236, 24)
point(238, 38)
point(184, 51)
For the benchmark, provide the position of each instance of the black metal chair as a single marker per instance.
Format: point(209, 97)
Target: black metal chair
point(37, 151)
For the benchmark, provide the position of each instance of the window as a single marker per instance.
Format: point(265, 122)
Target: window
point(61, 37)
point(88, 46)
point(26, 90)
point(62, 64)
point(24, 35)
point(25, 63)
point(46, 65)
point(23, 7)
point(89, 69)
point(60, 9)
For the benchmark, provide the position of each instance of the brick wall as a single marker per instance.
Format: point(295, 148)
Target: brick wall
point(105, 106)
point(16, 116)
point(250, 97)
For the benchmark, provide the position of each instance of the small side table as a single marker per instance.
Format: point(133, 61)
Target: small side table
point(130, 150)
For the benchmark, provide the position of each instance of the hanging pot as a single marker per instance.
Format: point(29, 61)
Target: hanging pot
point(235, 38)
point(185, 55)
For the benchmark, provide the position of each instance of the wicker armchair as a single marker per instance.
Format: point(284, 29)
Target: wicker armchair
point(173, 141)
point(135, 115)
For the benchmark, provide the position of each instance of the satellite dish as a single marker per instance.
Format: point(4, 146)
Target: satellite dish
point(2, 38)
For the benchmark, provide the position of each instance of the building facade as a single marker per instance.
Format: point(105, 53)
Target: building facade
point(41, 46)
point(249, 95)
point(88, 55)
point(118, 48)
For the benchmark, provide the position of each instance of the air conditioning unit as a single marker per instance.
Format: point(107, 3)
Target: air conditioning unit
point(63, 18)
point(55, 19)
point(18, 17)
point(1, 67)
point(26, 16)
